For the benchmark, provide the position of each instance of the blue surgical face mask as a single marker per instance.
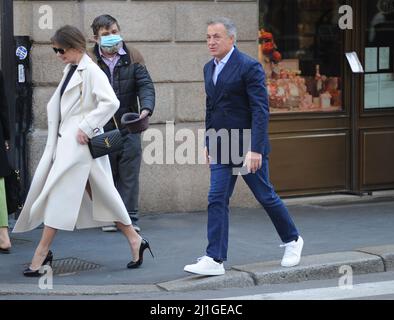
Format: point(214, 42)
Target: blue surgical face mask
point(111, 40)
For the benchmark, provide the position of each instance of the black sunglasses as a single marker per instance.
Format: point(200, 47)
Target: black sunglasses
point(60, 50)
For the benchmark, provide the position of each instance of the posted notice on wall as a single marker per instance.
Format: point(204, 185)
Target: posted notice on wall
point(371, 59)
point(379, 91)
point(371, 91)
point(384, 58)
point(386, 90)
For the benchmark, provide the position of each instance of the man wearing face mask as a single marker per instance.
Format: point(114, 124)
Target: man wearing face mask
point(132, 83)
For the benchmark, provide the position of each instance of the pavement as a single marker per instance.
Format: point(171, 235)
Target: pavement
point(340, 232)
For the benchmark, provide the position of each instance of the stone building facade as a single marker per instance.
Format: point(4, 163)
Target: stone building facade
point(171, 37)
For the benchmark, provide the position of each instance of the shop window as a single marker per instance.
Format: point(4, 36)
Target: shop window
point(379, 73)
point(300, 48)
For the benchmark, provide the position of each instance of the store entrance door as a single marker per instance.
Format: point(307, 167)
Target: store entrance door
point(375, 119)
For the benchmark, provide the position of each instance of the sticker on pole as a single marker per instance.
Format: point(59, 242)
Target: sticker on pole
point(21, 53)
point(21, 73)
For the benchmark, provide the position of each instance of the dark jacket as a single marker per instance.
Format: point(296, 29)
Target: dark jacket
point(131, 81)
point(238, 101)
point(4, 130)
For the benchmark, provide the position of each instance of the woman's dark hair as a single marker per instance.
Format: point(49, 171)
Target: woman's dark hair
point(104, 21)
point(69, 37)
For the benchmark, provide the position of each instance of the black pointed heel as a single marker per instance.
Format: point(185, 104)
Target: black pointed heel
point(36, 273)
point(5, 251)
point(136, 264)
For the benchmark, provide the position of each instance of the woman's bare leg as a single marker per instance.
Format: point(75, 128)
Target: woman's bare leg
point(5, 242)
point(43, 247)
point(133, 238)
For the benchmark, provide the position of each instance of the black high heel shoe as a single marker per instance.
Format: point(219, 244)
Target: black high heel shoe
point(5, 251)
point(36, 273)
point(137, 264)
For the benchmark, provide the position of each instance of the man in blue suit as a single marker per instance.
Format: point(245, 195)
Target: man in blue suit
point(237, 102)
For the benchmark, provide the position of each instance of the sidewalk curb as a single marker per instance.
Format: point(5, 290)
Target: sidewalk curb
point(231, 279)
point(312, 267)
point(74, 290)
point(386, 253)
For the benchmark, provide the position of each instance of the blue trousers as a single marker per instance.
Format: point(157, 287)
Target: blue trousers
point(222, 186)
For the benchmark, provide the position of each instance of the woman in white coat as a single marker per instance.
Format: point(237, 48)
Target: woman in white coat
point(70, 189)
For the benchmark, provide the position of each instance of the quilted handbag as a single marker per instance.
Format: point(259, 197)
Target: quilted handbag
point(106, 143)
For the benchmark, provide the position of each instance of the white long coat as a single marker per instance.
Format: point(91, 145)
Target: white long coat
point(57, 195)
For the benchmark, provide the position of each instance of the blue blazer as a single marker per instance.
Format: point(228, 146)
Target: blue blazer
point(239, 100)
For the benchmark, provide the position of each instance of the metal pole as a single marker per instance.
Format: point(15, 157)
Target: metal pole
point(8, 64)
point(355, 141)
point(354, 135)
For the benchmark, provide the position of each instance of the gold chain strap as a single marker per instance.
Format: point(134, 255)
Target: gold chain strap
point(116, 123)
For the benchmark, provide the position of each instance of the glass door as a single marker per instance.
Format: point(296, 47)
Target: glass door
point(379, 53)
point(376, 119)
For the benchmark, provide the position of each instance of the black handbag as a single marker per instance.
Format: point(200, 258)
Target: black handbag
point(106, 143)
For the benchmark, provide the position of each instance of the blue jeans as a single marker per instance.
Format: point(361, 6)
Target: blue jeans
point(221, 189)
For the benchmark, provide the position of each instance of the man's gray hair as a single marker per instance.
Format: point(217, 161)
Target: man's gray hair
point(230, 26)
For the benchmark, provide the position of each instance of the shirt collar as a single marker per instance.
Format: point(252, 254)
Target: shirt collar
point(225, 59)
point(121, 52)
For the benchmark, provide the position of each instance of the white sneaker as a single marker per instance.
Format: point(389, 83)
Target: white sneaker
point(292, 254)
point(205, 266)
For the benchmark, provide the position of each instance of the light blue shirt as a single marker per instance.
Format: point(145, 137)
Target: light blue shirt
point(220, 65)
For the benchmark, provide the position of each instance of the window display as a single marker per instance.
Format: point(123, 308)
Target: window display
point(300, 50)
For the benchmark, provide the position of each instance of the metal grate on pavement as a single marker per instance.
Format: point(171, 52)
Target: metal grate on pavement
point(72, 265)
